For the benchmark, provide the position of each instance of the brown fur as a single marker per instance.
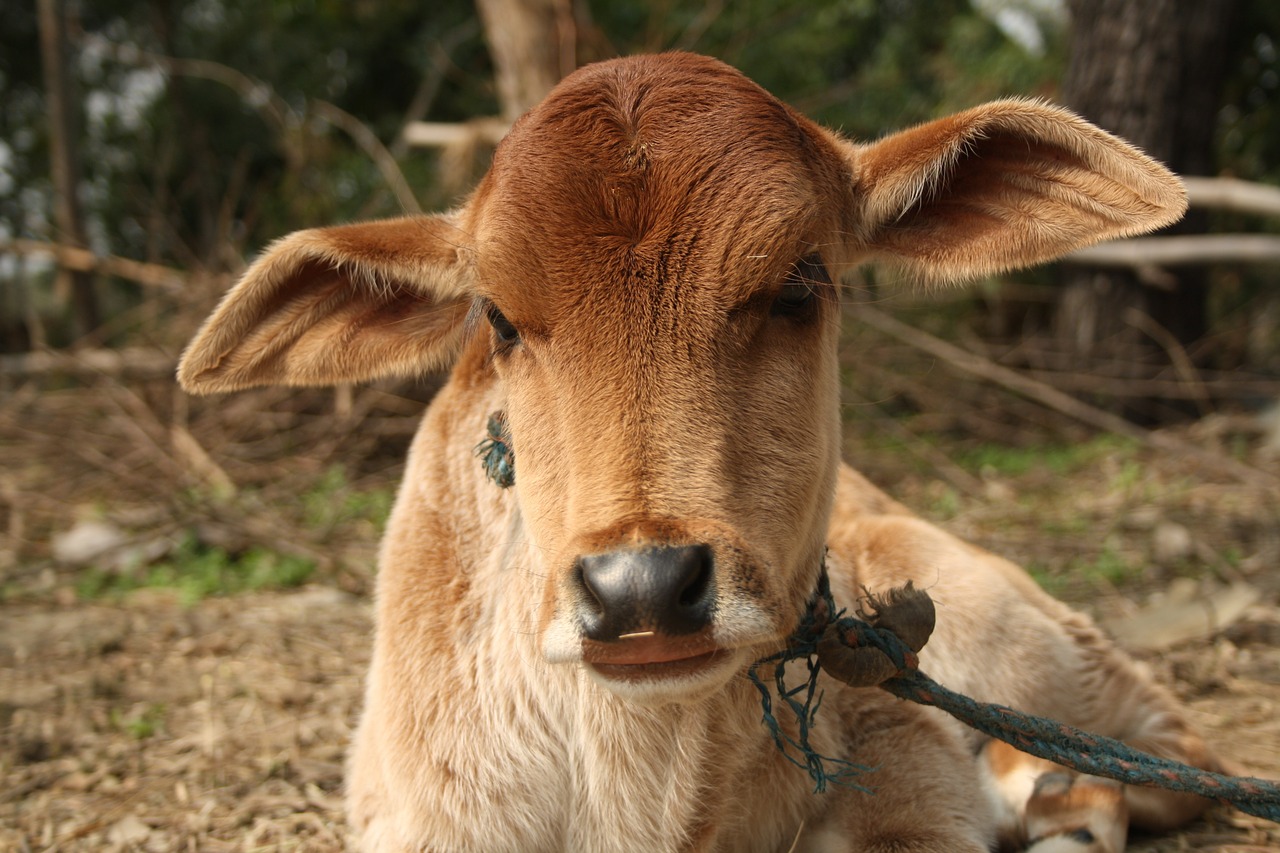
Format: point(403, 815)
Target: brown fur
point(639, 231)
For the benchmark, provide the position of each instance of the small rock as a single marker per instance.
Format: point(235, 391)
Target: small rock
point(1165, 623)
point(128, 830)
point(1171, 543)
point(86, 542)
point(1269, 424)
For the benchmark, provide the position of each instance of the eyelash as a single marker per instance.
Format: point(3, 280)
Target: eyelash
point(507, 334)
point(798, 296)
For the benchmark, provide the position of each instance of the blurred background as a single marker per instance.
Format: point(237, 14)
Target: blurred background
point(1111, 421)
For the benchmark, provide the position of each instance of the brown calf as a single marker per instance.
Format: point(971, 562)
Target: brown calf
point(645, 284)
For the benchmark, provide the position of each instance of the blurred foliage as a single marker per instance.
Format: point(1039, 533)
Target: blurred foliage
point(197, 571)
point(200, 165)
point(332, 510)
point(1250, 118)
point(1059, 460)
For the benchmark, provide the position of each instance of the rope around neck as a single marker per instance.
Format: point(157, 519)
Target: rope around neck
point(881, 648)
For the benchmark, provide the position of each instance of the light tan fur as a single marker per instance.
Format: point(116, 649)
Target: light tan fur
point(636, 248)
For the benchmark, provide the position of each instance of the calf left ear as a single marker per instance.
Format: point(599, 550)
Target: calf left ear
point(333, 305)
point(1004, 185)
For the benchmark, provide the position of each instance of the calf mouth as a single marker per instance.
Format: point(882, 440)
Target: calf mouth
point(648, 658)
point(660, 670)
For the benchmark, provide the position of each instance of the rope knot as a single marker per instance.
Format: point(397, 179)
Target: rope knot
point(883, 643)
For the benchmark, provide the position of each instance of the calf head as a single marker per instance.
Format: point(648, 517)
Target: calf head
point(648, 273)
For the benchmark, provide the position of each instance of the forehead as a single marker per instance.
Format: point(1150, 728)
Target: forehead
point(657, 169)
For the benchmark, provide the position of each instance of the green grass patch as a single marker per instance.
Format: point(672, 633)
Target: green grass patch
point(141, 725)
point(1108, 569)
point(944, 503)
point(330, 511)
point(198, 571)
point(1052, 582)
point(333, 503)
point(1062, 459)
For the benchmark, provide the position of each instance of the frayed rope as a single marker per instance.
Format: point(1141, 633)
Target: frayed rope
point(881, 650)
point(803, 645)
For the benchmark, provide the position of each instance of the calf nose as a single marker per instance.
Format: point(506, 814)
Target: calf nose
point(667, 590)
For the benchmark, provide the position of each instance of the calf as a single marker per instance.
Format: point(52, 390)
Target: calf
point(640, 301)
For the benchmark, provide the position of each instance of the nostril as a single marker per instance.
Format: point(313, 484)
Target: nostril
point(656, 589)
point(698, 577)
point(585, 576)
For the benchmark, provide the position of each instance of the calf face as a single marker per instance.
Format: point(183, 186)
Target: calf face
point(656, 274)
point(648, 274)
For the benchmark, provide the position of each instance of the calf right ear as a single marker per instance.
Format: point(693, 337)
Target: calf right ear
point(1004, 185)
point(333, 305)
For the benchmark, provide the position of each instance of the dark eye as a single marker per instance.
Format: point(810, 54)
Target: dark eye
point(507, 333)
point(794, 298)
point(798, 296)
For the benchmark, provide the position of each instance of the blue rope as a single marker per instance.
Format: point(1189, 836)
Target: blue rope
point(804, 645)
point(839, 643)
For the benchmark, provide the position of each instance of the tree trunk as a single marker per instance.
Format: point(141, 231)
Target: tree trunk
point(532, 45)
point(64, 162)
point(1153, 73)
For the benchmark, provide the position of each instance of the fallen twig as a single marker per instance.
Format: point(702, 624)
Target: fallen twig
point(1053, 398)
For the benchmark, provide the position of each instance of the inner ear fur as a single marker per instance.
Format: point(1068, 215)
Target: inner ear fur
point(342, 304)
point(1004, 185)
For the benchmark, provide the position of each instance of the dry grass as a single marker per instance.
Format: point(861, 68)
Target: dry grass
point(150, 726)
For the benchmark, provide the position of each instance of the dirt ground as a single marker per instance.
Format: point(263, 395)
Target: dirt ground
point(153, 726)
point(142, 723)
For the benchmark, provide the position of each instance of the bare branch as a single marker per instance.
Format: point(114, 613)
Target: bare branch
point(1233, 194)
point(1177, 353)
point(83, 260)
point(255, 93)
point(429, 134)
point(441, 61)
point(1176, 251)
point(262, 97)
point(373, 147)
point(64, 160)
point(133, 361)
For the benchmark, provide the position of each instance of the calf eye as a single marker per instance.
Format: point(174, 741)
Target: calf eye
point(793, 298)
point(507, 333)
point(798, 296)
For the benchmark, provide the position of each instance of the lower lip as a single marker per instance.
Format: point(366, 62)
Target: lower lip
point(665, 670)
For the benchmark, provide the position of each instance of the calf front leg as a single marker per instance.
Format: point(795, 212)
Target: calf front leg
point(926, 793)
point(1045, 808)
